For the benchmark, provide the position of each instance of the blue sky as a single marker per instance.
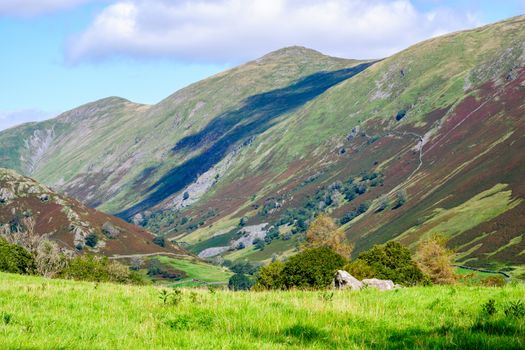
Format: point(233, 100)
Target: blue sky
point(59, 54)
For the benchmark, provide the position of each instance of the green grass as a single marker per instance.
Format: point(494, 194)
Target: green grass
point(198, 270)
point(37, 313)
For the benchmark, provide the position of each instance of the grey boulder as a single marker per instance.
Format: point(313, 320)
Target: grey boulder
point(379, 284)
point(344, 280)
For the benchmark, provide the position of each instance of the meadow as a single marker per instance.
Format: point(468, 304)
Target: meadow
point(38, 313)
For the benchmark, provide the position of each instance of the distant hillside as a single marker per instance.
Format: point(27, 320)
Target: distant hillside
point(69, 222)
point(430, 140)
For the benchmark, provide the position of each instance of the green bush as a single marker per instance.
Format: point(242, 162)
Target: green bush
point(160, 241)
point(270, 276)
point(100, 269)
point(312, 268)
point(391, 261)
point(15, 259)
point(91, 240)
point(360, 269)
point(243, 267)
point(239, 282)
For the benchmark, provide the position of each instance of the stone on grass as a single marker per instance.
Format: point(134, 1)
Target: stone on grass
point(344, 280)
point(379, 284)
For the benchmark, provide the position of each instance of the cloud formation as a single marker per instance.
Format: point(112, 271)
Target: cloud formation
point(237, 30)
point(12, 118)
point(29, 8)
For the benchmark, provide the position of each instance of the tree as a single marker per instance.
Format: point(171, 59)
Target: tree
point(312, 268)
point(185, 196)
point(270, 276)
point(401, 198)
point(243, 267)
point(259, 243)
point(383, 204)
point(324, 232)
point(50, 260)
point(392, 261)
point(436, 260)
point(160, 241)
point(239, 281)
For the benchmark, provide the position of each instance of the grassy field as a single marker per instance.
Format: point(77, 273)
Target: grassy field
point(37, 313)
point(198, 270)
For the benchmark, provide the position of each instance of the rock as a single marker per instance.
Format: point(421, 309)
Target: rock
point(379, 284)
point(44, 197)
point(211, 252)
point(344, 280)
point(110, 231)
point(138, 219)
point(6, 195)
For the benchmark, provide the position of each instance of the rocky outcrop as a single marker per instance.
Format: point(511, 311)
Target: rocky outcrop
point(344, 280)
point(379, 284)
point(211, 252)
point(110, 230)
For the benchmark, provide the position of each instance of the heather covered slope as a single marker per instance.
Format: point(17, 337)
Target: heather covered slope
point(442, 123)
point(69, 222)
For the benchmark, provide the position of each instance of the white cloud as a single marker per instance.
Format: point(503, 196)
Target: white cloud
point(236, 30)
point(9, 119)
point(28, 8)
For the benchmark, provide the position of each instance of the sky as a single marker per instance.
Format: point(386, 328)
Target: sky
point(56, 55)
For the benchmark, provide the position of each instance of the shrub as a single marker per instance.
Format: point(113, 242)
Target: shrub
point(50, 260)
point(91, 240)
point(401, 198)
point(185, 196)
point(360, 269)
point(392, 261)
point(312, 268)
point(239, 281)
point(15, 259)
point(494, 281)
point(99, 269)
point(160, 241)
point(270, 276)
point(489, 308)
point(515, 309)
point(243, 267)
point(435, 260)
point(259, 243)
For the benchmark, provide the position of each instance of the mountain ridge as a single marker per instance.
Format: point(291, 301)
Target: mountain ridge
point(285, 137)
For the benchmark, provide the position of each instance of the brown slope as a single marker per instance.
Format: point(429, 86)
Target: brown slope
point(69, 222)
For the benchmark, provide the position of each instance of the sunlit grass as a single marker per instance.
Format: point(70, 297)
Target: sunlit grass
point(53, 314)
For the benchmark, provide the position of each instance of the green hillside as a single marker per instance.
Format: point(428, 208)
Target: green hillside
point(426, 141)
point(37, 313)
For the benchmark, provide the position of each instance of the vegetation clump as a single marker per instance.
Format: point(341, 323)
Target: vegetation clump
point(390, 261)
point(435, 260)
point(312, 268)
point(15, 259)
point(324, 232)
point(239, 281)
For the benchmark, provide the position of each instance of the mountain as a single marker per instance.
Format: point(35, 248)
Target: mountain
point(429, 140)
point(69, 222)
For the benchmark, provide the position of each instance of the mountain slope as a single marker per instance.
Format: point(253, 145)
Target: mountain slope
point(69, 222)
point(429, 140)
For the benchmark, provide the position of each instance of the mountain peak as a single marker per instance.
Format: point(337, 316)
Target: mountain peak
point(291, 52)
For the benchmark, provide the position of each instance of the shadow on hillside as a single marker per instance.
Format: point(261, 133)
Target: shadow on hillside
point(256, 115)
